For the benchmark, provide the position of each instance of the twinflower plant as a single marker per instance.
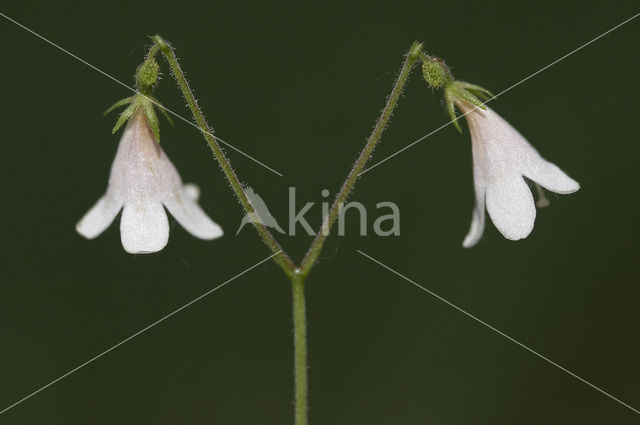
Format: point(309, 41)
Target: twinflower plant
point(143, 181)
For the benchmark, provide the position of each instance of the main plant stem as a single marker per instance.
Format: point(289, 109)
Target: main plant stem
point(299, 349)
point(315, 248)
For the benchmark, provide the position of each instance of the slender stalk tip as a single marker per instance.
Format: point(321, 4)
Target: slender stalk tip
point(157, 39)
point(415, 50)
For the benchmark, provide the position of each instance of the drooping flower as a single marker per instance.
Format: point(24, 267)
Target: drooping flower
point(502, 159)
point(143, 181)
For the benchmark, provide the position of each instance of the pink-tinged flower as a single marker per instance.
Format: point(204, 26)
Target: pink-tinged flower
point(502, 159)
point(142, 183)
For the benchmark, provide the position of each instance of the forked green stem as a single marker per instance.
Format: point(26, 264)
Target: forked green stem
point(297, 275)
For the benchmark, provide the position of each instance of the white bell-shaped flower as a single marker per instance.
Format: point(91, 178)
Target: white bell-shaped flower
point(142, 182)
point(502, 158)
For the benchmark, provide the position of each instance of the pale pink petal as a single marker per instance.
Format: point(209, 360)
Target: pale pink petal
point(511, 207)
point(188, 213)
point(141, 169)
point(480, 187)
point(192, 190)
point(550, 177)
point(477, 221)
point(144, 227)
point(99, 217)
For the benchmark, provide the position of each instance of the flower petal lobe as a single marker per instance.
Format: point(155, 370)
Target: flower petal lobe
point(144, 227)
point(477, 222)
point(550, 176)
point(184, 208)
point(99, 217)
point(511, 207)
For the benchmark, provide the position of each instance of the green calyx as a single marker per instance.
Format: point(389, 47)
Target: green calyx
point(460, 91)
point(435, 72)
point(438, 75)
point(147, 75)
point(140, 102)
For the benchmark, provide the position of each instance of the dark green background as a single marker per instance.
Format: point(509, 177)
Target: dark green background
point(299, 87)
